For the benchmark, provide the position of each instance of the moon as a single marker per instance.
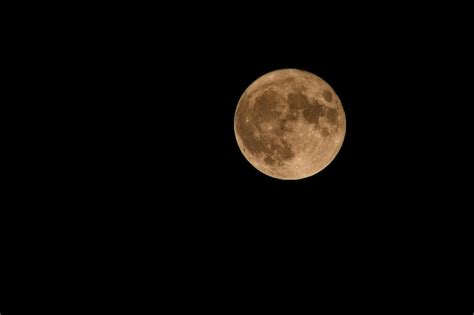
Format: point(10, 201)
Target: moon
point(289, 124)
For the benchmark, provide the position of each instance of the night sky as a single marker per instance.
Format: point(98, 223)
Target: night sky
point(124, 162)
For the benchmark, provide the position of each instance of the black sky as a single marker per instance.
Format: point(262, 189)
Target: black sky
point(123, 152)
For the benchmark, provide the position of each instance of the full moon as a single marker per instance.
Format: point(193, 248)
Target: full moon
point(289, 124)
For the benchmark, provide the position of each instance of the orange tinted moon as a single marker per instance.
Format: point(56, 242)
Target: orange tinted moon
point(289, 124)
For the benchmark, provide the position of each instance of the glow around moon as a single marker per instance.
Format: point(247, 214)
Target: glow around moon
point(289, 124)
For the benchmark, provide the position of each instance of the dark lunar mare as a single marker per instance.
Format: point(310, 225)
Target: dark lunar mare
point(258, 141)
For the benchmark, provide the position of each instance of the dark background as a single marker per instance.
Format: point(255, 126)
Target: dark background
point(127, 181)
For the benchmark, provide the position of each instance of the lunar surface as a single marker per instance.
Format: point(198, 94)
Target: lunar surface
point(289, 124)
